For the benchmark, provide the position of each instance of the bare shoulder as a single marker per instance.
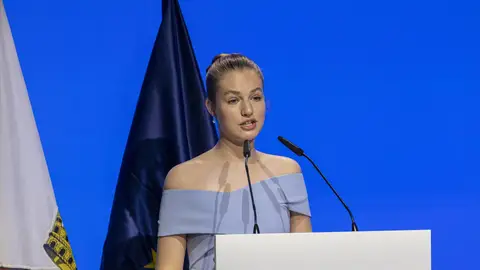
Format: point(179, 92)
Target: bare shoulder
point(181, 175)
point(281, 164)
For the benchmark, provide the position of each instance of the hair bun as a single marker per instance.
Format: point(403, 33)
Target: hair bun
point(216, 58)
point(219, 56)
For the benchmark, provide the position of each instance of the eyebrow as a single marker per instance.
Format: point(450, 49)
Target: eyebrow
point(238, 93)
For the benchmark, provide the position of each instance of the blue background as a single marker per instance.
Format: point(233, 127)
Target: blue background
point(383, 95)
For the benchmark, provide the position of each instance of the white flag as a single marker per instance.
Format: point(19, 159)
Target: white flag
point(32, 235)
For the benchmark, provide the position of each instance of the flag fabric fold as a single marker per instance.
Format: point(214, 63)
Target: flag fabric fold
point(32, 235)
point(170, 126)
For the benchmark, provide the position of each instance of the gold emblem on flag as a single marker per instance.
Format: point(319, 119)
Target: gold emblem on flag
point(58, 247)
point(151, 265)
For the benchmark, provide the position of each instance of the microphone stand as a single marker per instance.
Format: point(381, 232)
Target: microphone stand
point(246, 154)
point(299, 152)
point(354, 224)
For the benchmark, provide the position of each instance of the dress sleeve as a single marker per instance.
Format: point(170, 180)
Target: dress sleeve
point(185, 212)
point(296, 194)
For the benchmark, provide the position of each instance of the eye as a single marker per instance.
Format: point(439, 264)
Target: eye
point(232, 100)
point(257, 98)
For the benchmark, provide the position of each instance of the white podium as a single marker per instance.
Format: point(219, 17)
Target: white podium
point(369, 250)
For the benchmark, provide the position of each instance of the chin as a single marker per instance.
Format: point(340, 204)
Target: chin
point(238, 137)
point(248, 136)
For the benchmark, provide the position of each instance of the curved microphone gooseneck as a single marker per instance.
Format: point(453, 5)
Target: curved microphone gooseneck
point(299, 152)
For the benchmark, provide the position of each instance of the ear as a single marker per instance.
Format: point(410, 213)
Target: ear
point(210, 107)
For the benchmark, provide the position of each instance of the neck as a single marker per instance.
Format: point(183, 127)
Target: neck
point(234, 152)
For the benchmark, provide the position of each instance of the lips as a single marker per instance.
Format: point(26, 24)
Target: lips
point(249, 124)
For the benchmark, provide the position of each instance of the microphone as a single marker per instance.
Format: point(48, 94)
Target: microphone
point(246, 154)
point(246, 149)
point(299, 152)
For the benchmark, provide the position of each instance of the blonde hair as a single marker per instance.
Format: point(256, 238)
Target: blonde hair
point(222, 64)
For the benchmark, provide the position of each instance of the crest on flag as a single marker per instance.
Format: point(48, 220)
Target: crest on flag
point(58, 247)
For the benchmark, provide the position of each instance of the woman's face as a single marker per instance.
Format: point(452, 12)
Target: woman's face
point(240, 105)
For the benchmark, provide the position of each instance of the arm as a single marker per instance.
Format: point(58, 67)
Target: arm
point(171, 248)
point(171, 252)
point(299, 223)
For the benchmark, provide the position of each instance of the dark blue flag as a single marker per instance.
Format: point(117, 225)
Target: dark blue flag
point(170, 126)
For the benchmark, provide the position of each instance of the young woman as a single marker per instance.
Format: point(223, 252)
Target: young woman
point(209, 194)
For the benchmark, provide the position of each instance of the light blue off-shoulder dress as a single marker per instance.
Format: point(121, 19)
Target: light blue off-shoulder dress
point(200, 214)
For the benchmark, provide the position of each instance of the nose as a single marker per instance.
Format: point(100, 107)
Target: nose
point(247, 109)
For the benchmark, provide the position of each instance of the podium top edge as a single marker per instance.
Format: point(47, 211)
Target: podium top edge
point(423, 231)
